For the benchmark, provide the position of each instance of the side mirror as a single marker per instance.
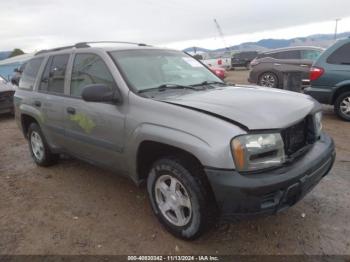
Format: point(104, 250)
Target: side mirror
point(100, 93)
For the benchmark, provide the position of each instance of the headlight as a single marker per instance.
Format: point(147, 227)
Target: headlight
point(258, 151)
point(318, 124)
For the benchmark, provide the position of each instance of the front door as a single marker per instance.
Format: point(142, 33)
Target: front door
point(94, 131)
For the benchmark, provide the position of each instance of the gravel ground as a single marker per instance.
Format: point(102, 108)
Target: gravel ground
point(75, 208)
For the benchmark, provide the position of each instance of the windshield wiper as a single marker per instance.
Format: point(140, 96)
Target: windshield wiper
point(164, 87)
point(209, 83)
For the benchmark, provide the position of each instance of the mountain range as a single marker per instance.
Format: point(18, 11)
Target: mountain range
point(320, 40)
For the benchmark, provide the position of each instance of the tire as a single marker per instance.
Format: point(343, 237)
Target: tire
point(180, 198)
point(342, 106)
point(268, 79)
point(39, 148)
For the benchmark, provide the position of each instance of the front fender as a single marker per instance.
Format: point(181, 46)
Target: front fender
point(201, 149)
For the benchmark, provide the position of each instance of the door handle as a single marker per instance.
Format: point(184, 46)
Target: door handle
point(37, 103)
point(304, 65)
point(71, 110)
point(276, 64)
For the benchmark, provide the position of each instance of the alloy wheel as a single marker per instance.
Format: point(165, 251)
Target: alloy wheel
point(268, 80)
point(173, 200)
point(37, 145)
point(345, 106)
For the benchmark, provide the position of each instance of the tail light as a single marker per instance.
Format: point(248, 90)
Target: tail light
point(219, 62)
point(220, 73)
point(316, 73)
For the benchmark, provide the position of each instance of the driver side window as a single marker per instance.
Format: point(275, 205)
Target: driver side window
point(89, 69)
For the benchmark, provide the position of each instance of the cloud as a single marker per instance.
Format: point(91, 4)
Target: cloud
point(37, 24)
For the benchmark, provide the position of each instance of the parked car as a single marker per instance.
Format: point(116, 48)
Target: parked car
point(217, 61)
point(159, 116)
point(17, 74)
point(268, 68)
point(3, 80)
point(330, 78)
point(243, 59)
point(220, 72)
point(6, 96)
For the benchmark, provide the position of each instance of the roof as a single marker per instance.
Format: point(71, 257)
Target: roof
point(293, 48)
point(105, 45)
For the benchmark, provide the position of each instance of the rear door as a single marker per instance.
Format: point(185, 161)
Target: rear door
point(287, 61)
point(338, 66)
point(94, 131)
point(50, 98)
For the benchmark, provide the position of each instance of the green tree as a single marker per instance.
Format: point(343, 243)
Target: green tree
point(16, 52)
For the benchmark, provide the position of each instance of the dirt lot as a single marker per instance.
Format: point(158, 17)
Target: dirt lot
point(75, 208)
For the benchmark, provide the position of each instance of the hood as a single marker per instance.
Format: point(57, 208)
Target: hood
point(6, 87)
point(249, 106)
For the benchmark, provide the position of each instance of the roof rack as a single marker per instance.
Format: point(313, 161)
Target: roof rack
point(86, 44)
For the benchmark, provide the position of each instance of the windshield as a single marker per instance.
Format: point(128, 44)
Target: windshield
point(2, 80)
point(146, 69)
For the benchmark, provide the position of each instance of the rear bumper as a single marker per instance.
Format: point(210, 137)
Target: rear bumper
point(273, 191)
point(322, 95)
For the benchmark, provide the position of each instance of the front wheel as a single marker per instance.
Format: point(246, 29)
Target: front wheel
point(342, 106)
point(179, 199)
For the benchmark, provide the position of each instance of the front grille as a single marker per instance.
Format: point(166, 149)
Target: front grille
point(298, 136)
point(7, 96)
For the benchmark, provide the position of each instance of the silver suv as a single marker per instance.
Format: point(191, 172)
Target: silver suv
point(205, 149)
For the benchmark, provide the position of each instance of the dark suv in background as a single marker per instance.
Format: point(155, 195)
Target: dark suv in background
point(268, 68)
point(330, 78)
point(243, 59)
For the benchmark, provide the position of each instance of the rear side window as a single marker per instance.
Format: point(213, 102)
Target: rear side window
point(52, 80)
point(89, 69)
point(341, 56)
point(29, 74)
point(291, 54)
point(310, 54)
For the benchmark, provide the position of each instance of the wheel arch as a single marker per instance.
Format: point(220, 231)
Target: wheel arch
point(27, 119)
point(340, 88)
point(150, 137)
point(149, 151)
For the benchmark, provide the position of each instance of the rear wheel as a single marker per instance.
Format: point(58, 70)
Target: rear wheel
point(342, 106)
point(39, 148)
point(268, 80)
point(180, 199)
